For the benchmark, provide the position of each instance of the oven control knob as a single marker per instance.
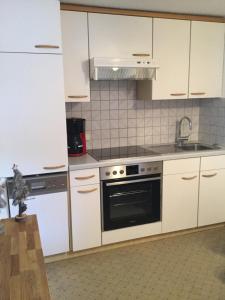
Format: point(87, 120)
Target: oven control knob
point(121, 171)
point(114, 172)
point(107, 173)
point(155, 168)
point(142, 169)
point(149, 169)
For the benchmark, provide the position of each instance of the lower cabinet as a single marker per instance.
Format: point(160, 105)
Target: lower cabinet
point(211, 197)
point(86, 216)
point(180, 201)
point(180, 194)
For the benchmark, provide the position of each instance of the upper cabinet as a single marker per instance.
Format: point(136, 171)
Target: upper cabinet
point(119, 36)
point(75, 56)
point(30, 26)
point(206, 59)
point(171, 42)
point(33, 121)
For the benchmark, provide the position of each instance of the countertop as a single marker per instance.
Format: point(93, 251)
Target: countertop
point(86, 161)
point(22, 269)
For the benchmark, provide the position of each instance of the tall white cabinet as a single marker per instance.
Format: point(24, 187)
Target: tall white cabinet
point(119, 36)
point(206, 59)
point(33, 121)
point(171, 41)
point(75, 56)
point(30, 26)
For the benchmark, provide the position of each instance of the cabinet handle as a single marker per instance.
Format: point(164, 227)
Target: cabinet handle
point(87, 191)
point(209, 175)
point(84, 177)
point(77, 97)
point(54, 167)
point(189, 178)
point(177, 94)
point(141, 54)
point(47, 46)
point(198, 94)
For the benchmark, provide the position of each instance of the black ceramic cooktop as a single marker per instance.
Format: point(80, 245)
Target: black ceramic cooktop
point(120, 152)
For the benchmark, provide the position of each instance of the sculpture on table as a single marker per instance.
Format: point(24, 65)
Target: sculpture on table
point(2, 203)
point(20, 192)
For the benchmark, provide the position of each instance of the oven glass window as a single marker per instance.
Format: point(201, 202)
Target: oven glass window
point(131, 202)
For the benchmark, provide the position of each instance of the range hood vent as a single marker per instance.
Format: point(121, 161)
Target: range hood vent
point(122, 69)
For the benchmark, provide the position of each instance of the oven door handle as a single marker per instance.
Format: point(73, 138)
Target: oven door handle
point(132, 181)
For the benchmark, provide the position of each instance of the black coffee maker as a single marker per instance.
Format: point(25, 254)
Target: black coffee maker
point(76, 140)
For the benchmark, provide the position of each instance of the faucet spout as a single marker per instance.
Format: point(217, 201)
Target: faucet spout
point(183, 138)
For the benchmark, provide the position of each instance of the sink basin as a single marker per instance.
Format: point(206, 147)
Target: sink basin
point(195, 147)
point(173, 148)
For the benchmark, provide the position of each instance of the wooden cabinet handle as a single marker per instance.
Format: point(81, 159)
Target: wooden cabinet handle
point(87, 191)
point(209, 175)
point(198, 94)
point(177, 94)
point(47, 46)
point(54, 167)
point(141, 54)
point(84, 177)
point(77, 97)
point(189, 178)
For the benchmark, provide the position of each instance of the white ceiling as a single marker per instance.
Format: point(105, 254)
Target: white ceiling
point(202, 7)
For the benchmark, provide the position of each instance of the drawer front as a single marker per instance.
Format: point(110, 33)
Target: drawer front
point(180, 166)
point(213, 162)
point(84, 177)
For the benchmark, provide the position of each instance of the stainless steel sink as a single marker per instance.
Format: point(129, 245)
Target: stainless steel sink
point(196, 147)
point(173, 148)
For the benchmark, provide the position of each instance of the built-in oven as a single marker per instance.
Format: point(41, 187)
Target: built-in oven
point(130, 195)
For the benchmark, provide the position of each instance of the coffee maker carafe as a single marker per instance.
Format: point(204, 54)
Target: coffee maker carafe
point(76, 140)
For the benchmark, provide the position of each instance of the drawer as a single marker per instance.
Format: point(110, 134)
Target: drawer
point(84, 177)
point(213, 162)
point(180, 166)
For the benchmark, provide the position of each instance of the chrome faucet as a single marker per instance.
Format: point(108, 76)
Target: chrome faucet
point(181, 139)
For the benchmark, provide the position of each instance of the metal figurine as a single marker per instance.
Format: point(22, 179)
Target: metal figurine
point(19, 193)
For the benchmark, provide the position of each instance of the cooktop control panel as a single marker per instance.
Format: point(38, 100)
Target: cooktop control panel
point(114, 172)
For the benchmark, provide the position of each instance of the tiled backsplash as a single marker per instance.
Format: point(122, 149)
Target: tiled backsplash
point(212, 121)
point(114, 117)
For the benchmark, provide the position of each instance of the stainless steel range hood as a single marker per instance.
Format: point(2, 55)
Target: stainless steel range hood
point(122, 69)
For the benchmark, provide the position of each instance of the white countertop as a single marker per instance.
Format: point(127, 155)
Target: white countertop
point(86, 161)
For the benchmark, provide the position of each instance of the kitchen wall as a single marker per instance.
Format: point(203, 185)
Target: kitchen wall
point(114, 117)
point(212, 121)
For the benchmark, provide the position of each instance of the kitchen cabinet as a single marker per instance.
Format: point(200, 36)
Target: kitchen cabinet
point(52, 216)
point(119, 36)
point(171, 39)
point(75, 56)
point(85, 209)
point(33, 121)
point(212, 190)
point(180, 194)
point(30, 26)
point(206, 59)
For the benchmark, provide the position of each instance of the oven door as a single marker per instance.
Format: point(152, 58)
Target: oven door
point(131, 201)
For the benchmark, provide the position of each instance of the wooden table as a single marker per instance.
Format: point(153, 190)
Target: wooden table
point(22, 268)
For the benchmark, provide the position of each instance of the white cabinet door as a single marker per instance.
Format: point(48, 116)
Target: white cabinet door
point(52, 216)
point(119, 36)
point(32, 121)
point(30, 26)
point(171, 39)
point(86, 217)
point(206, 59)
point(180, 201)
point(212, 197)
point(75, 56)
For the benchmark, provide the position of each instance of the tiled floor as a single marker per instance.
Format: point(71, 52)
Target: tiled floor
point(183, 267)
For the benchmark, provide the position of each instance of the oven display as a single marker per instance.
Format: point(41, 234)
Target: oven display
point(132, 170)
